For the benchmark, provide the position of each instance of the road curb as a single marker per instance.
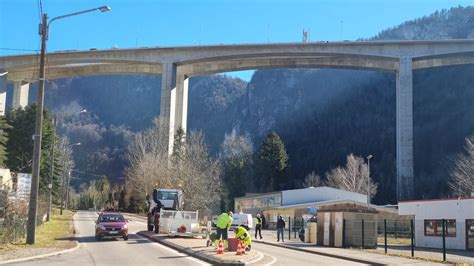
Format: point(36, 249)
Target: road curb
point(200, 255)
point(42, 255)
point(321, 253)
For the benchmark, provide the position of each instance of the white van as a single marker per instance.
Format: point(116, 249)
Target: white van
point(238, 219)
point(245, 219)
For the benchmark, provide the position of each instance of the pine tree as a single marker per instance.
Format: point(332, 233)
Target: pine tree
point(20, 143)
point(271, 164)
point(4, 127)
point(178, 146)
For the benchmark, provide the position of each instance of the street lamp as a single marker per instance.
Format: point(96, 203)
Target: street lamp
point(68, 178)
point(33, 204)
point(50, 185)
point(368, 179)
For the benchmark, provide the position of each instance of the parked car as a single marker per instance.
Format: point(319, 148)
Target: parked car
point(111, 224)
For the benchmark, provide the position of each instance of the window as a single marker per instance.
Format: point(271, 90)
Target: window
point(166, 195)
point(435, 228)
point(112, 218)
point(430, 227)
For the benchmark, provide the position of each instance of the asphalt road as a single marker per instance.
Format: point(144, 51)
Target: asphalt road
point(136, 251)
point(282, 256)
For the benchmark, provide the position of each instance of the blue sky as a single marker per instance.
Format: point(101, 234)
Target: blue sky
point(148, 23)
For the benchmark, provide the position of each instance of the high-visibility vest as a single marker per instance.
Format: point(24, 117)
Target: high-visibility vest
point(224, 221)
point(259, 221)
point(243, 234)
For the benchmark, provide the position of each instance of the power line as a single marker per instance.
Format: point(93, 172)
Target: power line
point(40, 9)
point(18, 49)
point(86, 173)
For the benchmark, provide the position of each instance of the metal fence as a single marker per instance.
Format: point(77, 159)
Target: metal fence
point(294, 227)
point(435, 237)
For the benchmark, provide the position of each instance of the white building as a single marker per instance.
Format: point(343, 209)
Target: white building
point(318, 194)
point(6, 181)
point(286, 202)
point(459, 220)
point(23, 185)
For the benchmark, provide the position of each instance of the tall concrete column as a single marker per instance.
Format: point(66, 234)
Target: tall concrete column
point(404, 103)
point(181, 108)
point(167, 101)
point(3, 94)
point(20, 94)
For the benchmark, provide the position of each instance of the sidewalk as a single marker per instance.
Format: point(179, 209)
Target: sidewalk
point(196, 247)
point(453, 256)
point(367, 256)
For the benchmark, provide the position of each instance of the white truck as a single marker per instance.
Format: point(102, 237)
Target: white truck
point(163, 199)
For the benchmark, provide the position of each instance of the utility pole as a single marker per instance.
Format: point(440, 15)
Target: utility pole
point(64, 202)
point(368, 179)
point(62, 181)
point(33, 205)
point(67, 188)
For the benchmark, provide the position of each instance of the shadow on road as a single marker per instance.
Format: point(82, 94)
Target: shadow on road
point(132, 239)
point(173, 257)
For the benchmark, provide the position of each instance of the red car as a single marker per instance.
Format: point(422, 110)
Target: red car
point(111, 224)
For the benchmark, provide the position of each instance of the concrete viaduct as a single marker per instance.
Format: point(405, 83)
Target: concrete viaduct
point(177, 64)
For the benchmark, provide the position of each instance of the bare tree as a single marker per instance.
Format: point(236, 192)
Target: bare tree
point(236, 158)
point(462, 177)
point(148, 159)
point(199, 175)
point(351, 177)
point(312, 180)
point(236, 146)
point(193, 171)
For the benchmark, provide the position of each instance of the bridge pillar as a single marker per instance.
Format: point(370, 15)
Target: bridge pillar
point(174, 101)
point(167, 101)
point(181, 107)
point(404, 103)
point(20, 94)
point(3, 94)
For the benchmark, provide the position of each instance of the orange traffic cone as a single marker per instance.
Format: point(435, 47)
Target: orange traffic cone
point(239, 249)
point(220, 250)
point(243, 246)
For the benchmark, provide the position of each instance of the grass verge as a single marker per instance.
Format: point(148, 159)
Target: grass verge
point(56, 234)
point(394, 241)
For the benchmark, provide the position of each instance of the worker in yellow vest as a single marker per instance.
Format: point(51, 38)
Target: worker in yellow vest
point(242, 234)
point(224, 221)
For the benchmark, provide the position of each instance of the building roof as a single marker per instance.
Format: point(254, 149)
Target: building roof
point(256, 195)
point(429, 200)
point(315, 189)
point(331, 202)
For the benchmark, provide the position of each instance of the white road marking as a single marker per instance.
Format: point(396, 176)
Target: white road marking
point(174, 251)
point(139, 222)
point(271, 262)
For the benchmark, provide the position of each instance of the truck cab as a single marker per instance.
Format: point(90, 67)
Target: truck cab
point(163, 198)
